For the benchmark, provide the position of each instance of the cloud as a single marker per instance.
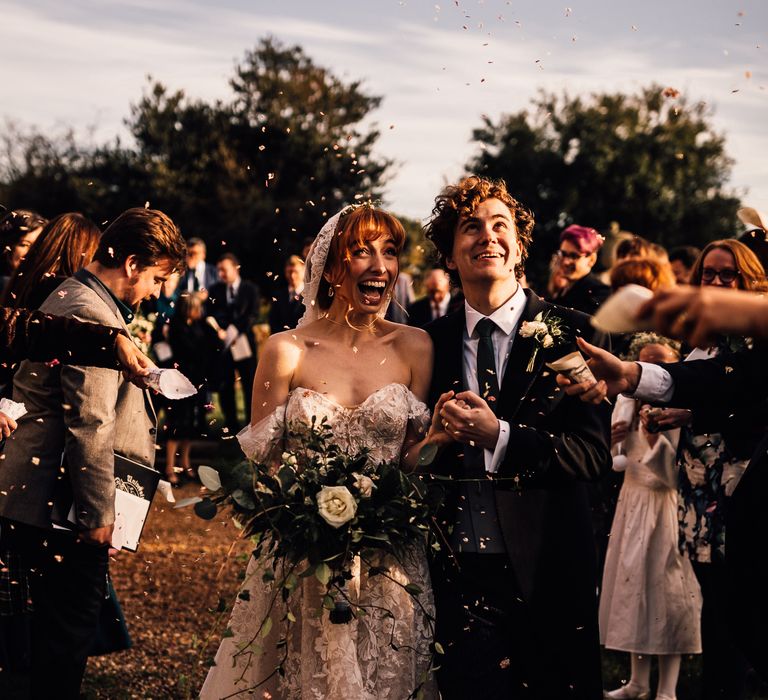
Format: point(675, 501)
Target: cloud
point(85, 61)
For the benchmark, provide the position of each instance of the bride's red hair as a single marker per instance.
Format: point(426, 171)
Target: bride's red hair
point(362, 224)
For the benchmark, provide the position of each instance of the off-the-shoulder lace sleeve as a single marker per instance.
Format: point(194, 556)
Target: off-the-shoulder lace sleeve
point(418, 413)
point(258, 441)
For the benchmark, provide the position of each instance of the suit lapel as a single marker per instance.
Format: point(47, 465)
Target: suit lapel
point(102, 293)
point(448, 339)
point(517, 381)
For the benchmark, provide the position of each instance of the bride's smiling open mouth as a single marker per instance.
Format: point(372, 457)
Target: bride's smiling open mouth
point(372, 291)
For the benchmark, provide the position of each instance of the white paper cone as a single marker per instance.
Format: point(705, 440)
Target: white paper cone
point(170, 383)
point(12, 409)
point(753, 218)
point(618, 313)
point(574, 366)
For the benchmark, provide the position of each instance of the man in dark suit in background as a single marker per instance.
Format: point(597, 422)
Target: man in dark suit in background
point(515, 587)
point(287, 307)
point(438, 300)
point(234, 303)
point(200, 275)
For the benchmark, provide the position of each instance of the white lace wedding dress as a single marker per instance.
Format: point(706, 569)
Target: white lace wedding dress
point(373, 657)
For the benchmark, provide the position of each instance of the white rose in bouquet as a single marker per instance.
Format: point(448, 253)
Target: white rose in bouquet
point(363, 484)
point(336, 505)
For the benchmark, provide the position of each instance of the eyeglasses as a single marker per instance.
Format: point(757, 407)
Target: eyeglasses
point(568, 255)
point(727, 275)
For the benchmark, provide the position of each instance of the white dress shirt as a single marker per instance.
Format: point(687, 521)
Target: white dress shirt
point(507, 318)
point(656, 384)
point(197, 274)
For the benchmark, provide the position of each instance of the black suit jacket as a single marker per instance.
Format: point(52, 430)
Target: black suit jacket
point(727, 394)
point(243, 313)
point(585, 295)
point(556, 442)
point(285, 312)
point(420, 312)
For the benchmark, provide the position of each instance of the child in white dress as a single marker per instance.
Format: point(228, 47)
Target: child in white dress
point(650, 602)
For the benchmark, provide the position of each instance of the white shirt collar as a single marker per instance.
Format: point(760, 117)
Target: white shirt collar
point(235, 285)
point(506, 317)
point(442, 307)
point(200, 269)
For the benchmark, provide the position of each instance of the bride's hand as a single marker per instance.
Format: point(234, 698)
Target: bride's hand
point(437, 434)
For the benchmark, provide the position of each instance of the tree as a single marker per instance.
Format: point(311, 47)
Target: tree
point(255, 174)
point(650, 161)
point(287, 152)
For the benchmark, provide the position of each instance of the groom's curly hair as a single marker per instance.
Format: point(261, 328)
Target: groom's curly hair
point(462, 199)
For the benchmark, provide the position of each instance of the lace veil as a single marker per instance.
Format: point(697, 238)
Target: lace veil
point(315, 266)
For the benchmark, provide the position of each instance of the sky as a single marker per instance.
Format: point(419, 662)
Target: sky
point(440, 65)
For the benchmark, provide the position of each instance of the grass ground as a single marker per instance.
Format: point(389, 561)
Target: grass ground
point(174, 594)
point(173, 591)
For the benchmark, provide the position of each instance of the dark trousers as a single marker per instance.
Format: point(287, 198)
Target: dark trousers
point(497, 648)
point(68, 584)
point(246, 369)
point(724, 666)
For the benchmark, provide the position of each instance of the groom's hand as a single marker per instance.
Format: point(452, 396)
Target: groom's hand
point(469, 419)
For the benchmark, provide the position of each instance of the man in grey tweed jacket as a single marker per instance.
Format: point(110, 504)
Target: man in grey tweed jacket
point(77, 418)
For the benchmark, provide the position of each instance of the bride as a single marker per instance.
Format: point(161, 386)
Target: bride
point(368, 377)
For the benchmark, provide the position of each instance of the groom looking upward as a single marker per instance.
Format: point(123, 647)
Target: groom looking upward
point(516, 587)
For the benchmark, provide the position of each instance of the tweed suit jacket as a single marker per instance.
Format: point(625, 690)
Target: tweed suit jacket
point(77, 418)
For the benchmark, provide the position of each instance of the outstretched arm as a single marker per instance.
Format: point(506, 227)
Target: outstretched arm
point(40, 337)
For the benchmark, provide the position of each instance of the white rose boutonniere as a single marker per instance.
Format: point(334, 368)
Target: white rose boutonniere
point(336, 505)
point(546, 331)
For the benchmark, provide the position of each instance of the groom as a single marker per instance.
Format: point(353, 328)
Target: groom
point(516, 586)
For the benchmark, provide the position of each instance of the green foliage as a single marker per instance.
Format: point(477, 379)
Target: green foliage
point(273, 162)
point(650, 161)
point(278, 505)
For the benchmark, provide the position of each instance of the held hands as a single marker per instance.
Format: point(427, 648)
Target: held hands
point(613, 376)
point(437, 434)
point(467, 418)
point(7, 425)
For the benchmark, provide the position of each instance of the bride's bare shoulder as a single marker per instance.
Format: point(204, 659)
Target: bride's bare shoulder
point(409, 338)
point(283, 347)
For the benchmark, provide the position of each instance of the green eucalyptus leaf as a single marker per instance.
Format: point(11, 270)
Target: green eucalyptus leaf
point(267, 627)
point(323, 573)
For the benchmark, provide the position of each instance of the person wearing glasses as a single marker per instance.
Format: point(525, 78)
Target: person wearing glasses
point(572, 283)
point(729, 263)
point(710, 466)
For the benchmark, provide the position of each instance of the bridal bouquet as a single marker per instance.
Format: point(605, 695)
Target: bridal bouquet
point(318, 508)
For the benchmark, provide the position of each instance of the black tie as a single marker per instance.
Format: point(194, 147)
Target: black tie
point(231, 294)
point(487, 379)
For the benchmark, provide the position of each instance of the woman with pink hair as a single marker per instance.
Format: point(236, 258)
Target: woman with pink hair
point(572, 283)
